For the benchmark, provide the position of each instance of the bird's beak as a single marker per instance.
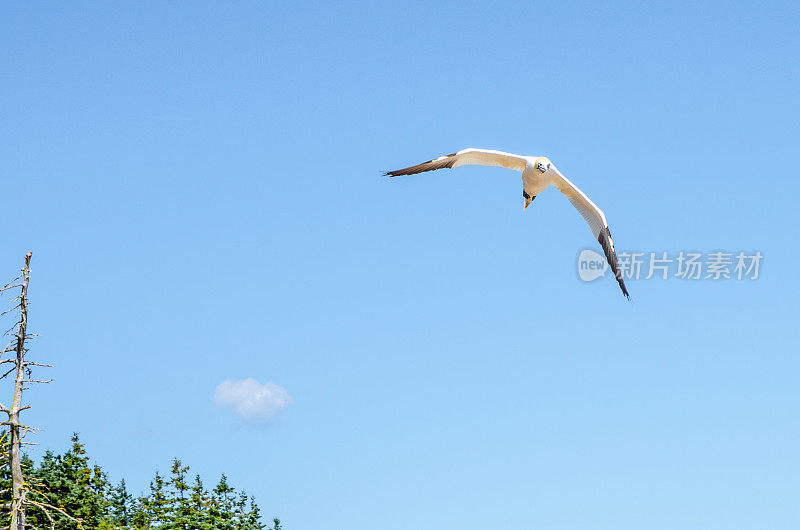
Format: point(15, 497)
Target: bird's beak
point(527, 202)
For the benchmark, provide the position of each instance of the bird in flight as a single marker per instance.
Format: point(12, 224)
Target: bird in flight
point(537, 174)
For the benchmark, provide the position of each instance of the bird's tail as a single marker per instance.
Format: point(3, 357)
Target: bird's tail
point(527, 198)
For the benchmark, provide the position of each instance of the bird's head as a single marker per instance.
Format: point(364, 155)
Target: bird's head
point(542, 164)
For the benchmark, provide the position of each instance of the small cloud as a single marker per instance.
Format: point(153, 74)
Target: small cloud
point(250, 400)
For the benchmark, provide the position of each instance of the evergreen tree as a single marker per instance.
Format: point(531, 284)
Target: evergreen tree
point(154, 508)
point(222, 504)
point(68, 482)
point(120, 506)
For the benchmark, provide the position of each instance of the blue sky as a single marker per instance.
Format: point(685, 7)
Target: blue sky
point(200, 184)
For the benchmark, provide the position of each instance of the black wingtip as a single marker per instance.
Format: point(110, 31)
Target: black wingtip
point(621, 282)
point(442, 162)
point(604, 238)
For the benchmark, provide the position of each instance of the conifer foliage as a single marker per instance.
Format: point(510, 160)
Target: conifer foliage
point(81, 489)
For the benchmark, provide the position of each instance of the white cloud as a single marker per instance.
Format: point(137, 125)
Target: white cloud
point(250, 400)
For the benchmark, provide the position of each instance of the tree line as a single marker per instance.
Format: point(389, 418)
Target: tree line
point(79, 495)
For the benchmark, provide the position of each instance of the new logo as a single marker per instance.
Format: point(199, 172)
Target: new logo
point(591, 265)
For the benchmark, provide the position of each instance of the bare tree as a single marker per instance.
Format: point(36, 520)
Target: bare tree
point(20, 368)
point(22, 493)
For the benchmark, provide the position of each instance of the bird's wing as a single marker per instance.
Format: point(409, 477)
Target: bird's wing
point(466, 157)
point(595, 219)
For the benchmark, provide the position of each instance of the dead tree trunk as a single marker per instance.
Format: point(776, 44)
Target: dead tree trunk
point(17, 480)
point(16, 429)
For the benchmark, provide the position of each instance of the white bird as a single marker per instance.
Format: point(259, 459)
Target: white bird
point(537, 174)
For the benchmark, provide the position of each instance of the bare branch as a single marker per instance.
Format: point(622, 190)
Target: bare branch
point(18, 424)
point(9, 310)
point(12, 281)
point(31, 363)
point(43, 506)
